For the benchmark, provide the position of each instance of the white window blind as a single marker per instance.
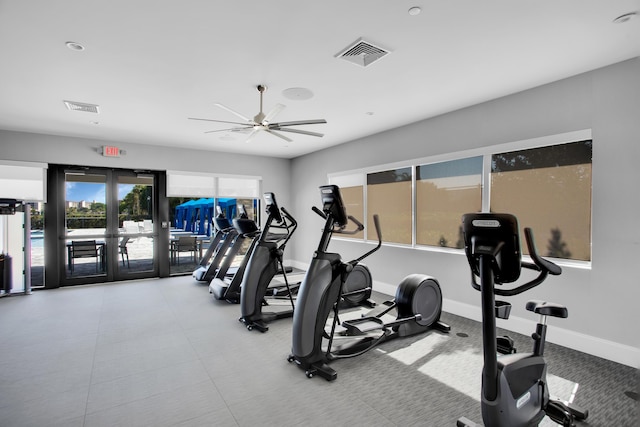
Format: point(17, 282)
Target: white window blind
point(239, 187)
point(23, 181)
point(194, 184)
point(347, 180)
point(187, 184)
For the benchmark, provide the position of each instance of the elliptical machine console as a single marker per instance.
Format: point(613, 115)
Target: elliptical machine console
point(514, 386)
point(418, 301)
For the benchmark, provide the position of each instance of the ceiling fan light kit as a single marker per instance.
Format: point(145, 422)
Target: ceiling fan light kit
point(263, 122)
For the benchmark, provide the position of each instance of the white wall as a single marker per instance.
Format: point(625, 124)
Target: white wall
point(77, 151)
point(603, 300)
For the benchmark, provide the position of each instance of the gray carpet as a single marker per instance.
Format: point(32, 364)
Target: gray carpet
point(164, 353)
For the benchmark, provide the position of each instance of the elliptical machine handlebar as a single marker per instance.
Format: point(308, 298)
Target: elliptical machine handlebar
point(289, 216)
point(290, 224)
point(543, 266)
point(319, 212)
point(376, 222)
point(279, 218)
point(340, 229)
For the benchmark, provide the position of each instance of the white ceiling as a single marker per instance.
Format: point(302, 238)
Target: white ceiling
point(150, 64)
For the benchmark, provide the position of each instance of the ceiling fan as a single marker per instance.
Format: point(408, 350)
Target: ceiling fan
point(263, 123)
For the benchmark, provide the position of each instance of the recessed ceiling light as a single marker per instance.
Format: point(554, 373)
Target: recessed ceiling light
point(297, 93)
point(74, 46)
point(415, 11)
point(624, 18)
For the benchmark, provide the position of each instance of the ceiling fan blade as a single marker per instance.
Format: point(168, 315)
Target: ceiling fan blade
point(251, 135)
point(300, 122)
point(219, 121)
point(279, 135)
point(303, 132)
point(229, 130)
point(273, 113)
point(224, 107)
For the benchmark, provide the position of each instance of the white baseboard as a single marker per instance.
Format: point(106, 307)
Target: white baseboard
point(610, 350)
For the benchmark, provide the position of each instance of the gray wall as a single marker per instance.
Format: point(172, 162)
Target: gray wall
point(76, 151)
point(603, 300)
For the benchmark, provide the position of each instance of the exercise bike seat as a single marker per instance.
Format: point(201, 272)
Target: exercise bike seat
point(547, 308)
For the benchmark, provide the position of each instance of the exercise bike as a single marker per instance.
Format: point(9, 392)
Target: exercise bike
point(514, 386)
point(418, 301)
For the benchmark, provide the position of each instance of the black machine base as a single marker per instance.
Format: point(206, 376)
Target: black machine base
point(220, 290)
point(418, 306)
point(267, 317)
point(322, 369)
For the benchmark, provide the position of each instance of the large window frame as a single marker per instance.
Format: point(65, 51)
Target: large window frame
point(356, 180)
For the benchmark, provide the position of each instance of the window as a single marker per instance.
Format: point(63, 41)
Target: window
point(389, 196)
point(549, 190)
point(444, 192)
point(545, 182)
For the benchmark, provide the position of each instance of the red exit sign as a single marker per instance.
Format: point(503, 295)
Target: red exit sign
point(110, 151)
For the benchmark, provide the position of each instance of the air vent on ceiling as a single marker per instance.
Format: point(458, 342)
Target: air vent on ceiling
point(362, 53)
point(81, 106)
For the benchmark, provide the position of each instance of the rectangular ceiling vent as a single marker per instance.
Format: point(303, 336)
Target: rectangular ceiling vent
point(81, 106)
point(362, 53)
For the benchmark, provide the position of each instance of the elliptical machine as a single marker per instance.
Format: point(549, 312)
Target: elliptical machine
point(266, 261)
point(418, 301)
point(263, 265)
point(221, 286)
point(514, 386)
point(220, 244)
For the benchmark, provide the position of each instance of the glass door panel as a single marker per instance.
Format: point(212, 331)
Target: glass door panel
point(37, 244)
point(85, 224)
point(136, 227)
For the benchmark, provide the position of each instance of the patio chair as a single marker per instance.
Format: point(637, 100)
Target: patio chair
point(185, 244)
point(84, 249)
point(131, 227)
point(123, 251)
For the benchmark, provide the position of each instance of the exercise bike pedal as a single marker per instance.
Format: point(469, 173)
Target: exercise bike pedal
point(505, 345)
point(466, 422)
point(559, 413)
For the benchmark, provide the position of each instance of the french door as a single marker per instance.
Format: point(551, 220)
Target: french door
point(107, 225)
